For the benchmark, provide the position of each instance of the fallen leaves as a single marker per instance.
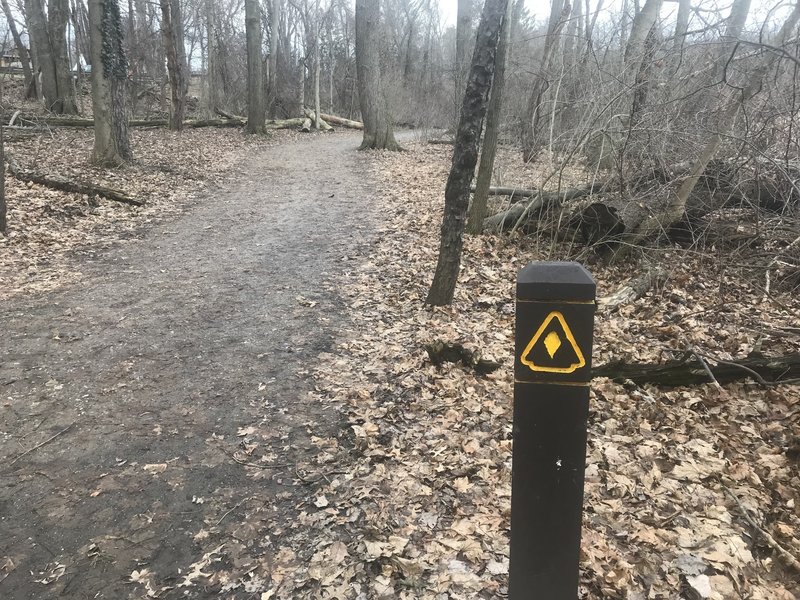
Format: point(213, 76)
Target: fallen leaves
point(47, 226)
point(431, 447)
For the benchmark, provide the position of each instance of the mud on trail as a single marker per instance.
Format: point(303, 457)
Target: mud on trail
point(135, 404)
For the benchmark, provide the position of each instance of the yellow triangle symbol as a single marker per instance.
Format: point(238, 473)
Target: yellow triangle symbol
point(542, 352)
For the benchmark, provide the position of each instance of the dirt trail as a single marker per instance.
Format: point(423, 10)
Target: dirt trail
point(158, 357)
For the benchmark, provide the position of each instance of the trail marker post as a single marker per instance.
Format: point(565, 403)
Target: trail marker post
point(552, 370)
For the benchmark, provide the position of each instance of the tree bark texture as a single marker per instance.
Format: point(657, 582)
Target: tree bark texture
point(49, 42)
point(465, 153)
point(109, 74)
point(378, 132)
point(175, 68)
point(255, 68)
point(463, 35)
point(477, 212)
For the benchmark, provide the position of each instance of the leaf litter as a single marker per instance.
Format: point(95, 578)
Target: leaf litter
point(48, 228)
point(417, 502)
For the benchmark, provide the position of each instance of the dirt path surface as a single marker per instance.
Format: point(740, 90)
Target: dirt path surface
point(129, 401)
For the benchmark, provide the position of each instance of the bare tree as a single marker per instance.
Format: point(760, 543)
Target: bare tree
point(477, 211)
point(3, 208)
point(255, 68)
point(465, 153)
point(49, 42)
point(109, 74)
point(464, 17)
point(378, 132)
point(274, 45)
point(173, 40)
point(22, 51)
point(559, 13)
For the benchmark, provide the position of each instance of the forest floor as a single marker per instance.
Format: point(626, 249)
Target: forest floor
point(235, 402)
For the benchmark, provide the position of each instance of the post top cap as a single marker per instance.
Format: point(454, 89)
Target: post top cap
point(554, 281)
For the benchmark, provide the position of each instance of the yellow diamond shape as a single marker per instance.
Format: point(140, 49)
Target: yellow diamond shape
point(552, 342)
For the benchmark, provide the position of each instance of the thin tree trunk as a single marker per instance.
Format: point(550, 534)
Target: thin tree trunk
point(682, 24)
point(109, 73)
point(477, 212)
point(212, 71)
point(3, 210)
point(559, 13)
point(317, 67)
point(465, 153)
point(24, 58)
point(255, 68)
point(378, 132)
point(274, 25)
point(463, 35)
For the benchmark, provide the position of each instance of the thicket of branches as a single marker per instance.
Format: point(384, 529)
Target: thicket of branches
point(671, 110)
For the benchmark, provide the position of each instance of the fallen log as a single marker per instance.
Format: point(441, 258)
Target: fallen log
point(226, 115)
point(690, 371)
point(33, 121)
point(632, 291)
point(285, 123)
point(323, 124)
point(306, 125)
point(540, 200)
point(342, 121)
point(512, 192)
point(66, 185)
point(504, 220)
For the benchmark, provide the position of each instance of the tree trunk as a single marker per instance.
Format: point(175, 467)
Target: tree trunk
point(378, 133)
point(49, 43)
point(3, 211)
point(80, 23)
point(463, 35)
point(109, 73)
point(477, 211)
point(180, 45)
point(642, 24)
point(274, 24)
point(559, 14)
point(681, 25)
point(255, 68)
point(58, 16)
point(24, 58)
point(212, 71)
point(317, 71)
point(40, 44)
point(175, 69)
point(465, 153)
